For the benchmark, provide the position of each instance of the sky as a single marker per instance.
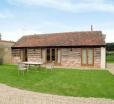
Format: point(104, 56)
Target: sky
point(25, 17)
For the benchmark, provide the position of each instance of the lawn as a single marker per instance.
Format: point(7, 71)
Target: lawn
point(81, 83)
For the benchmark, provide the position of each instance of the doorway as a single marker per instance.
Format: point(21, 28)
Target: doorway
point(52, 55)
point(24, 57)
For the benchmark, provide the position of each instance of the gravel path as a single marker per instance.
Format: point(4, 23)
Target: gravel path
point(10, 95)
point(111, 68)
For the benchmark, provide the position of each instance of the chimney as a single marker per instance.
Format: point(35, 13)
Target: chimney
point(91, 27)
point(0, 36)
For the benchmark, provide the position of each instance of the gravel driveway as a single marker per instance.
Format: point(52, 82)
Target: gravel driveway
point(111, 68)
point(10, 95)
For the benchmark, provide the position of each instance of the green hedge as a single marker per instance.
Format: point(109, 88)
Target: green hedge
point(110, 57)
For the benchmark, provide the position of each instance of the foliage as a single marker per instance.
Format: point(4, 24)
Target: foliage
point(110, 57)
point(110, 47)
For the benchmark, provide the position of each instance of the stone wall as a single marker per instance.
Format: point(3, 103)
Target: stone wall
point(5, 52)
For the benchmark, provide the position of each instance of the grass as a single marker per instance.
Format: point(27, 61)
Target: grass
point(81, 83)
point(110, 57)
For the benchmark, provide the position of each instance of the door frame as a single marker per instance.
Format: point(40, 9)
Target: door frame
point(87, 64)
point(56, 55)
point(24, 54)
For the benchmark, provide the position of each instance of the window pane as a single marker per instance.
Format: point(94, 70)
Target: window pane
point(84, 56)
point(48, 54)
point(53, 54)
point(90, 56)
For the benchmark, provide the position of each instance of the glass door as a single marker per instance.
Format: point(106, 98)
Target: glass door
point(48, 55)
point(52, 55)
point(87, 56)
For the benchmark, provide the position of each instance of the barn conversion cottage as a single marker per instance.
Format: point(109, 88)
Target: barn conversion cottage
point(69, 49)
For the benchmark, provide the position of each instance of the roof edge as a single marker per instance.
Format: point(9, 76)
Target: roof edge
point(61, 46)
point(55, 33)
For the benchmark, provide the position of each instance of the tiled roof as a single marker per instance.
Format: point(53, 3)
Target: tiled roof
point(88, 38)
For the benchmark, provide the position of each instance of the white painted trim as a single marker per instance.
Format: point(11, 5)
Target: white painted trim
point(103, 57)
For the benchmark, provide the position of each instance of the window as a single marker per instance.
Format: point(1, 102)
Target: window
point(84, 60)
point(48, 55)
point(52, 54)
point(87, 56)
point(90, 56)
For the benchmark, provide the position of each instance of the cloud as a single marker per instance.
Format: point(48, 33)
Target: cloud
point(17, 32)
point(109, 35)
point(70, 5)
point(6, 14)
point(2, 15)
point(47, 27)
